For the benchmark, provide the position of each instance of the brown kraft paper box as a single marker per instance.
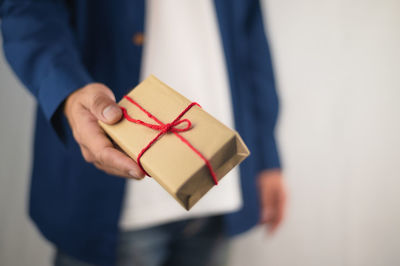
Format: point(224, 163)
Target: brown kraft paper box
point(171, 162)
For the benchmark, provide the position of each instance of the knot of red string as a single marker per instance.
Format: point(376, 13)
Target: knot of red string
point(174, 127)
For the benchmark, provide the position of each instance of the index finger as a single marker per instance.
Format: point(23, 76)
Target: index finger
point(105, 154)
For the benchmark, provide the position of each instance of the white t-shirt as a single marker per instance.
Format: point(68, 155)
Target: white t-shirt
point(183, 48)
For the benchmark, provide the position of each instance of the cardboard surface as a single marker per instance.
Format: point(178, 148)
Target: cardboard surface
point(170, 161)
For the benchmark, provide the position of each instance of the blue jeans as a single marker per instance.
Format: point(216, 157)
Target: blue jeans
point(194, 242)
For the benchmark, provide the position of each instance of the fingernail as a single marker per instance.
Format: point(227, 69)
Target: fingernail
point(110, 112)
point(134, 174)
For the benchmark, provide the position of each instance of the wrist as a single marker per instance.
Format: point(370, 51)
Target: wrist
point(68, 103)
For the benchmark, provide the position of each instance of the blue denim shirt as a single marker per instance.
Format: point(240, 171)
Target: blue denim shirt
point(56, 47)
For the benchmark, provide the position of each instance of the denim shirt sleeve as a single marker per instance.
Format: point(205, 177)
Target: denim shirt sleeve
point(264, 87)
point(41, 48)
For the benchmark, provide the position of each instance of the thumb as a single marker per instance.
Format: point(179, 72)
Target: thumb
point(103, 106)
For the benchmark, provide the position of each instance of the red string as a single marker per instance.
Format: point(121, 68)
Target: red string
point(165, 128)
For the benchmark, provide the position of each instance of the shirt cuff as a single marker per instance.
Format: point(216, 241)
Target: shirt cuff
point(61, 81)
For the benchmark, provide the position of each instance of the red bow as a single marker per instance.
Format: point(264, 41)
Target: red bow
point(164, 129)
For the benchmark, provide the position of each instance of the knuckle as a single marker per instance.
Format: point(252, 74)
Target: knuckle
point(101, 157)
point(98, 101)
point(104, 169)
point(98, 166)
point(76, 136)
point(98, 159)
point(88, 158)
point(99, 95)
point(93, 87)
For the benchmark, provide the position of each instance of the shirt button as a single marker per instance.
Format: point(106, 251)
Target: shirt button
point(138, 39)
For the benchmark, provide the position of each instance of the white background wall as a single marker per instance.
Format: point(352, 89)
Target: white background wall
point(338, 69)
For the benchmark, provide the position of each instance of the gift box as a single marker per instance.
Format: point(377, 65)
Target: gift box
point(176, 142)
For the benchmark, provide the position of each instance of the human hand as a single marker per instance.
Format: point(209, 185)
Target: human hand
point(83, 108)
point(273, 198)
